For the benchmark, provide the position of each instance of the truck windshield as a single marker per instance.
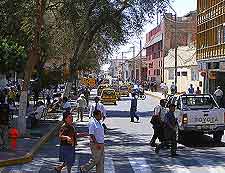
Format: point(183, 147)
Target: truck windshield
point(198, 102)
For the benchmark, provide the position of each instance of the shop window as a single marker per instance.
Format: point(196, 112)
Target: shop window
point(184, 73)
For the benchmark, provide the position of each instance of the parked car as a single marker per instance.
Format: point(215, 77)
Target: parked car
point(198, 114)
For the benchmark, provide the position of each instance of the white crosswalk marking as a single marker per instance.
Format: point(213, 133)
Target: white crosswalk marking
point(175, 165)
point(210, 165)
point(108, 165)
point(32, 167)
point(139, 165)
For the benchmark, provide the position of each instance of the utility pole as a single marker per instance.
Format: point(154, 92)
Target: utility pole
point(140, 62)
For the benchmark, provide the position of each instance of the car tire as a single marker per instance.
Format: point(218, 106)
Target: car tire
point(217, 136)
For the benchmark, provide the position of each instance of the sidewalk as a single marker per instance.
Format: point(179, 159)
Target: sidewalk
point(155, 94)
point(29, 145)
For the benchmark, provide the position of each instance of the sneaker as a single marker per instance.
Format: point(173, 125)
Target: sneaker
point(137, 118)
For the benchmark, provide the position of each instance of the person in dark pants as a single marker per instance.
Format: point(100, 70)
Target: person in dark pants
point(170, 127)
point(133, 108)
point(4, 123)
point(158, 122)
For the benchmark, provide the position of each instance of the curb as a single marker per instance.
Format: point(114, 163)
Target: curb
point(29, 156)
point(150, 94)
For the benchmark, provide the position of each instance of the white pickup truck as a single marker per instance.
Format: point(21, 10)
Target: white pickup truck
point(198, 113)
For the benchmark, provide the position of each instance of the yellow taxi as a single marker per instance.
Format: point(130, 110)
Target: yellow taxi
point(117, 90)
point(100, 89)
point(108, 96)
point(124, 90)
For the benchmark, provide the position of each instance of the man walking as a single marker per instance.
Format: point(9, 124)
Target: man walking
point(96, 132)
point(170, 127)
point(219, 95)
point(191, 89)
point(133, 108)
point(4, 123)
point(158, 122)
point(80, 107)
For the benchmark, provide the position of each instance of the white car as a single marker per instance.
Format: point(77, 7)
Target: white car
point(198, 113)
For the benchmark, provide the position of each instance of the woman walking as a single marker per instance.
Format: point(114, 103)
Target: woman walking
point(68, 140)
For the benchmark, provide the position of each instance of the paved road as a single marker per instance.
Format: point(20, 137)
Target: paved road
point(128, 151)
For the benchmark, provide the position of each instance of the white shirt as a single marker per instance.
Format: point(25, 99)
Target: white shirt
point(96, 129)
point(100, 107)
point(39, 111)
point(218, 93)
point(81, 102)
point(159, 109)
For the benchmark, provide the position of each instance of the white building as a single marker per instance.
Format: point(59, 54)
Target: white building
point(187, 69)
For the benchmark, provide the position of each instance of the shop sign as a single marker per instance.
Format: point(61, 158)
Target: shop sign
point(212, 75)
point(222, 66)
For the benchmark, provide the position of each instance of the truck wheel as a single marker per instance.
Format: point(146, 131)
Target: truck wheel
point(217, 136)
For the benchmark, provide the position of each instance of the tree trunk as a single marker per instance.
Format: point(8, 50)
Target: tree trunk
point(33, 58)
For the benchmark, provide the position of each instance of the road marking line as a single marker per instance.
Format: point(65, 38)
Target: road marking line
point(139, 165)
point(108, 165)
point(35, 165)
point(175, 165)
point(209, 165)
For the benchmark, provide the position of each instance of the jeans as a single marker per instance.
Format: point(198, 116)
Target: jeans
point(132, 115)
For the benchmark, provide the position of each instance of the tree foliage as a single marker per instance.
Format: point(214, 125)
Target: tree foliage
point(12, 56)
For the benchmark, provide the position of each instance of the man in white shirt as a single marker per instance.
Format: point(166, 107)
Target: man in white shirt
point(37, 114)
point(219, 95)
point(97, 106)
point(81, 105)
point(96, 132)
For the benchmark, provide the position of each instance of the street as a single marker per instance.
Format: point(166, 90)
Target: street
point(127, 148)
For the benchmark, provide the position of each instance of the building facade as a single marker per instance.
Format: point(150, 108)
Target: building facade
point(162, 38)
point(211, 43)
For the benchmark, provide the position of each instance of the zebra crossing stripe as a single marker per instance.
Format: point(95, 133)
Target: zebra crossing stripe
point(34, 167)
point(140, 165)
point(108, 165)
point(210, 166)
point(175, 165)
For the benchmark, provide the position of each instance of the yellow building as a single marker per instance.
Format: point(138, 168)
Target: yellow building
point(210, 53)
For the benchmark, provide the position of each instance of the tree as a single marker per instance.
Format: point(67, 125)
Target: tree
point(12, 57)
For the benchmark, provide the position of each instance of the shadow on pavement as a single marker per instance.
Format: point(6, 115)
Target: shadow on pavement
point(122, 114)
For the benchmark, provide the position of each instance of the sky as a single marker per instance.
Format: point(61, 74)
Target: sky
point(182, 7)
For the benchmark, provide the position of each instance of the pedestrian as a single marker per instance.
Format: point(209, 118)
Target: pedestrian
point(97, 106)
point(96, 132)
point(218, 95)
point(68, 141)
point(66, 105)
point(198, 91)
point(133, 108)
point(170, 128)
point(191, 89)
point(164, 88)
point(4, 123)
point(173, 88)
point(81, 101)
point(87, 95)
point(158, 122)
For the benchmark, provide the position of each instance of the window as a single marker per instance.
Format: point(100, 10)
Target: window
point(171, 74)
point(218, 36)
point(184, 73)
point(178, 73)
point(158, 72)
point(194, 74)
